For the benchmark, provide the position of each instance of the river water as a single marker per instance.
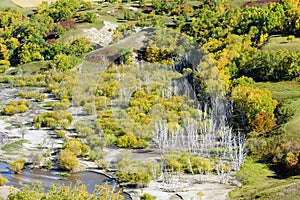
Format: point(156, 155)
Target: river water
point(49, 177)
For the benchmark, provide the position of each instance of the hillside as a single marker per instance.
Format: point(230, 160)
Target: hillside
point(172, 99)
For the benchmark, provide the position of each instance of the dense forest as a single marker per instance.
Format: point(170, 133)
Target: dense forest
point(214, 87)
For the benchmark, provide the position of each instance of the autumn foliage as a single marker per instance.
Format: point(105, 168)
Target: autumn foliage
point(287, 155)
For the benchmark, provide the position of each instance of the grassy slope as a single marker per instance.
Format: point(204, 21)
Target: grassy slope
point(287, 92)
point(260, 182)
point(278, 42)
point(9, 3)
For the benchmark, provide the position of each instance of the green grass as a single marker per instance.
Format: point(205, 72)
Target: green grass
point(287, 92)
point(78, 30)
point(237, 3)
point(277, 42)
point(34, 66)
point(282, 91)
point(261, 182)
point(14, 146)
point(8, 3)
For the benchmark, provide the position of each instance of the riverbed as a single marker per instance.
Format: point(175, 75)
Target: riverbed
point(48, 177)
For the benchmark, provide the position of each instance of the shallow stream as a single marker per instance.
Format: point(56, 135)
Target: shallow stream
point(49, 177)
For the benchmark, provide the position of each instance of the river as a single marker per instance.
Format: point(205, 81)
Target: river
point(48, 177)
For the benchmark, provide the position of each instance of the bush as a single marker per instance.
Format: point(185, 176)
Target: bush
point(102, 164)
point(90, 17)
point(53, 120)
point(60, 133)
point(17, 166)
point(3, 68)
point(287, 156)
point(186, 162)
point(130, 141)
point(89, 108)
point(60, 191)
point(135, 172)
point(68, 160)
point(62, 105)
point(76, 147)
point(262, 123)
point(83, 129)
point(15, 107)
point(59, 30)
point(37, 96)
point(97, 154)
point(127, 141)
point(2, 180)
point(147, 196)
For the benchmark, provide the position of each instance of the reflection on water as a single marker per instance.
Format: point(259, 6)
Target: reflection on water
point(48, 177)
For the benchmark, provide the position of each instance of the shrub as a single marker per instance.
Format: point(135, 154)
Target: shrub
point(76, 147)
point(3, 68)
point(17, 166)
point(262, 123)
point(127, 141)
point(68, 160)
point(60, 191)
point(60, 133)
point(53, 120)
point(147, 196)
point(135, 172)
point(48, 164)
point(2, 180)
point(102, 164)
point(94, 140)
point(90, 17)
point(290, 38)
point(89, 108)
point(186, 162)
point(37, 159)
point(15, 107)
point(62, 105)
point(59, 30)
point(83, 129)
point(97, 154)
point(37, 96)
point(287, 157)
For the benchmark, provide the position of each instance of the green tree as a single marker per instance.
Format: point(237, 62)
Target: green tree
point(249, 101)
point(55, 49)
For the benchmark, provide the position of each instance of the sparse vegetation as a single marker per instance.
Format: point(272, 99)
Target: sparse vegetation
point(202, 108)
point(15, 107)
point(17, 166)
point(2, 180)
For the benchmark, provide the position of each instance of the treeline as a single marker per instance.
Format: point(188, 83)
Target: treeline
point(30, 38)
point(233, 38)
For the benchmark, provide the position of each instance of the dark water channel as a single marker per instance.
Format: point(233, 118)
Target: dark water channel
point(49, 177)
